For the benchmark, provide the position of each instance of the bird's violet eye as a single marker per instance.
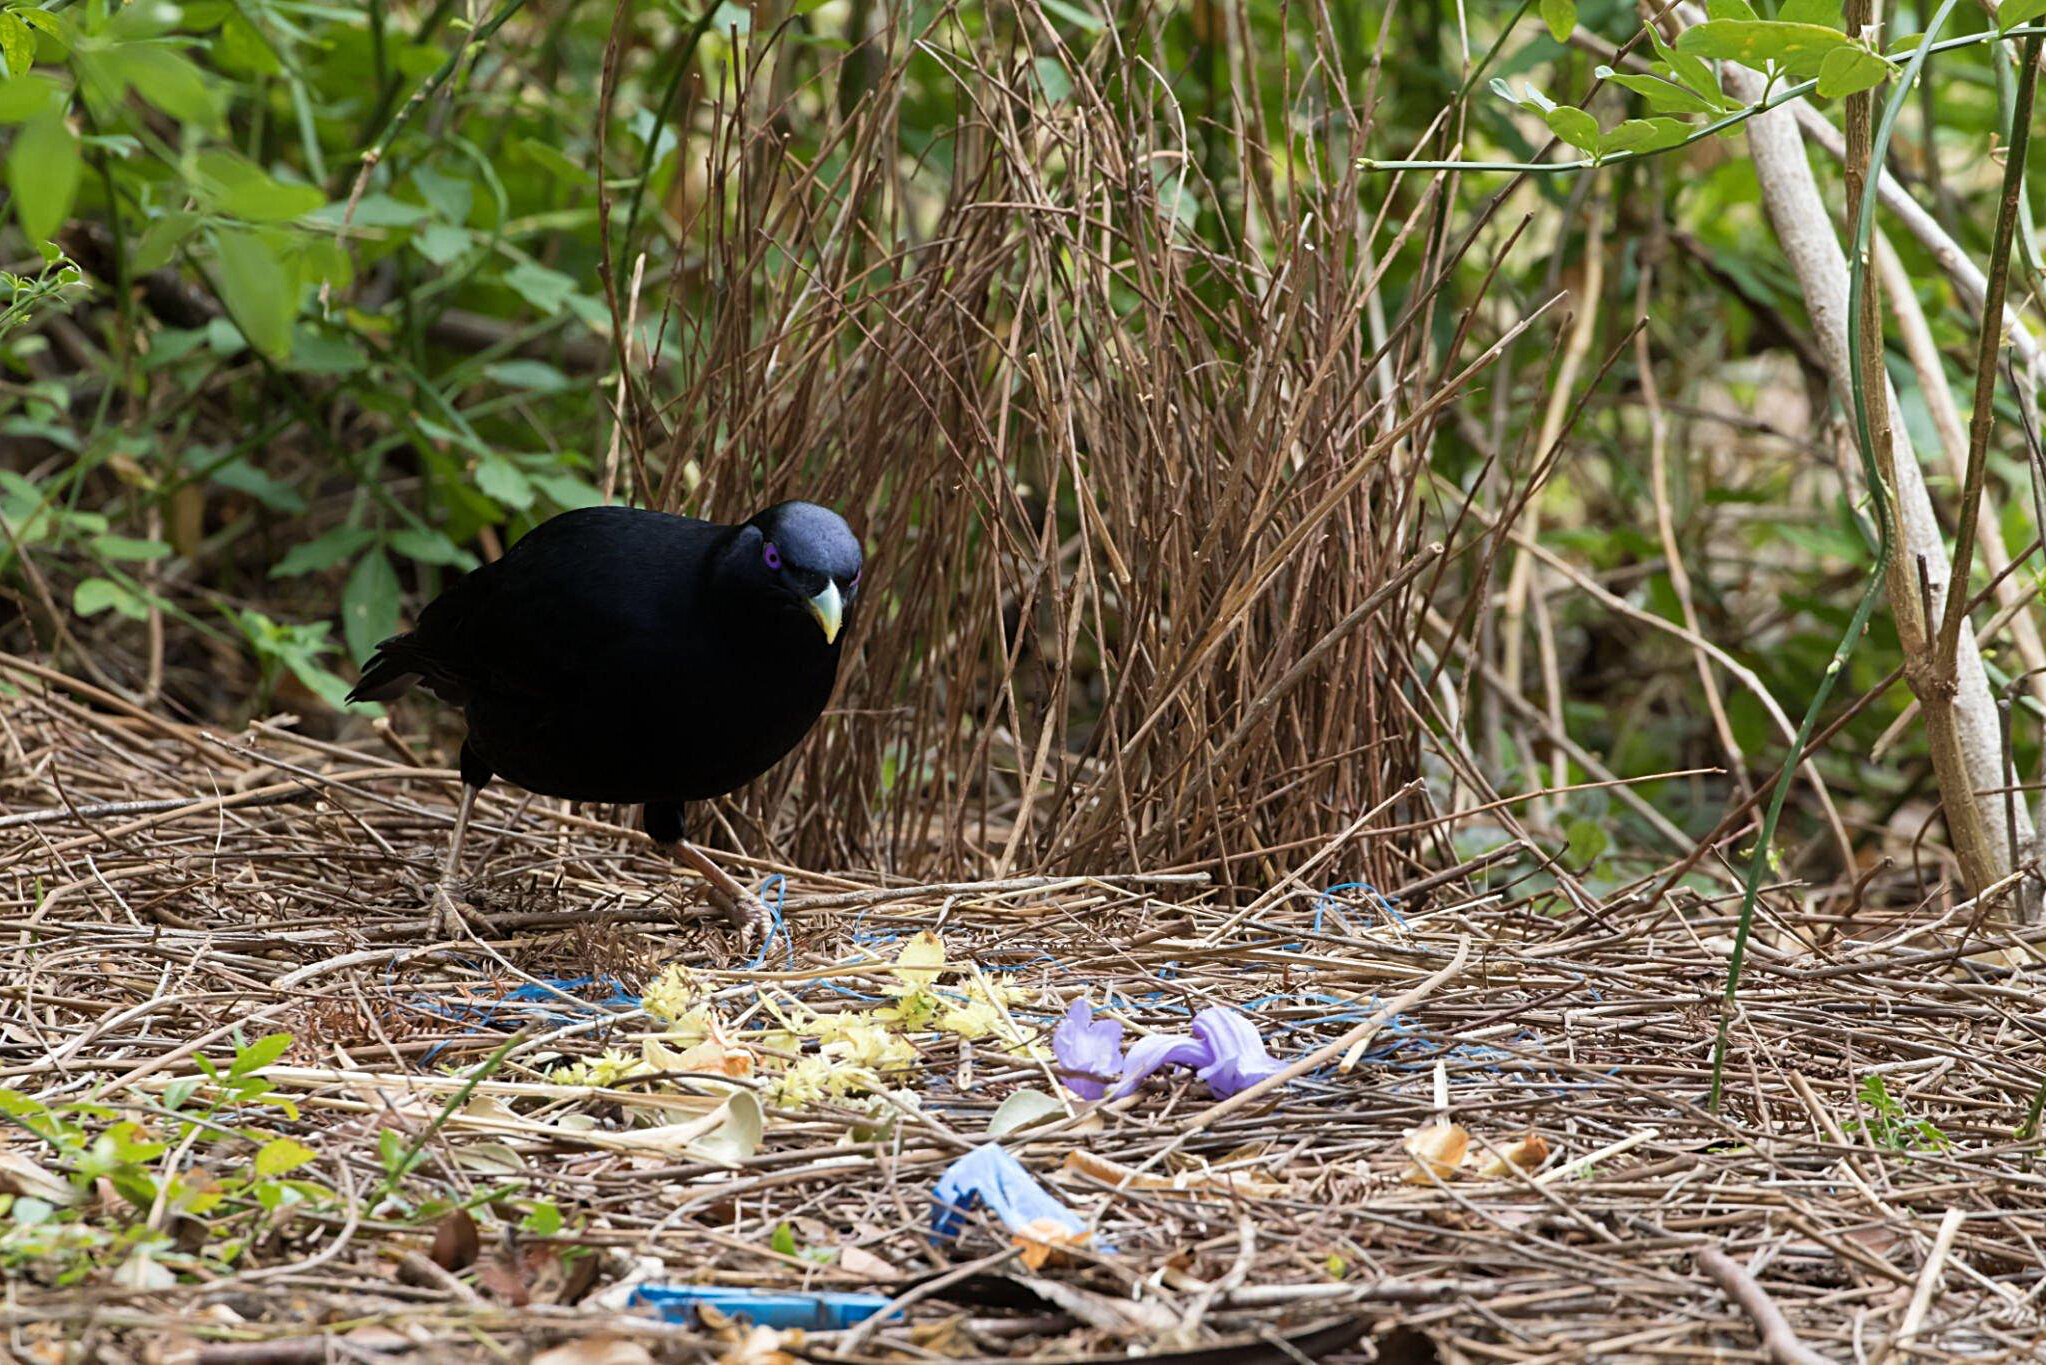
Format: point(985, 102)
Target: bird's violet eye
point(772, 554)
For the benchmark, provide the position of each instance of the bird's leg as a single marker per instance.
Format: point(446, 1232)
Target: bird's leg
point(748, 915)
point(445, 917)
point(663, 823)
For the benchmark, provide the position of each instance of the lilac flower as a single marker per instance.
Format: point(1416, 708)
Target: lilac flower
point(1240, 1060)
point(1089, 1051)
point(989, 1176)
point(1225, 1051)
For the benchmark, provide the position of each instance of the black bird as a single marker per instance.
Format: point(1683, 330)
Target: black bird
point(620, 655)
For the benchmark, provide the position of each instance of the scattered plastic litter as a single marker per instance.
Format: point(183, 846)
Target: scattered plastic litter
point(988, 1177)
point(824, 1311)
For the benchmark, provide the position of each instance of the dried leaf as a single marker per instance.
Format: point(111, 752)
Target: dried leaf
point(602, 1350)
point(763, 1346)
point(455, 1241)
point(489, 1158)
point(1022, 1109)
point(1247, 1183)
point(1041, 1239)
point(502, 1279)
point(860, 1261)
point(1527, 1154)
point(1437, 1151)
point(22, 1175)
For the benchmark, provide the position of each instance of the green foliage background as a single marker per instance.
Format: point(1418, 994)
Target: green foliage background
point(306, 303)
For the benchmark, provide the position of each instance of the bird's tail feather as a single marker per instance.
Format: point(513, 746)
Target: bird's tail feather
point(388, 674)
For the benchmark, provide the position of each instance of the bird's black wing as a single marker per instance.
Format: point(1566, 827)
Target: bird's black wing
point(569, 607)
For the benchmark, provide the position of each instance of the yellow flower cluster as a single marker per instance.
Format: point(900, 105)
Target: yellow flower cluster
point(810, 1055)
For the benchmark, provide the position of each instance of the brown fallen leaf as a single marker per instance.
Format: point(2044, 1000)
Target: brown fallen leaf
point(20, 1175)
point(1186, 1182)
point(455, 1241)
point(1041, 1239)
point(864, 1263)
point(599, 1350)
point(1437, 1151)
point(1526, 1154)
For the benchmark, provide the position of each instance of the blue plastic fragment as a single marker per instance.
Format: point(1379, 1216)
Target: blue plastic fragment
point(988, 1176)
point(825, 1311)
point(775, 927)
point(484, 1013)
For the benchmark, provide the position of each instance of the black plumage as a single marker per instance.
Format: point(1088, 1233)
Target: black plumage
point(620, 655)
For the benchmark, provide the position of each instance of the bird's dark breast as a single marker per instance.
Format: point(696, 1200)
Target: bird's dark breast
point(658, 729)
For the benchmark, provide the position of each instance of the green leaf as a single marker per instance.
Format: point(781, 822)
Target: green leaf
point(1798, 48)
point(1665, 96)
point(279, 1155)
point(1692, 71)
point(17, 44)
point(263, 200)
point(536, 375)
point(243, 477)
point(161, 240)
point(320, 262)
point(783, 1241)
point(24, 97)
point(2015, 12)
point(567, 491)
point(125, 547)
point(1053, 79)
point(447, 195)
point(260, 296)
point(241, 48)
point(42, 171)
point(259, 1054)
point(171, 83)
point(369, 604)
point(94, 595)
point(1824, 13)
point(1084, 20)
point(316, 352)
point(1574, 126)
point(542, 1220)
point(1728, 9)
point(547, 290)
point(441, 243)
point(504, 481)
point(1587, 841)
point(430, 547)
point(322, 552)
point(551, 159)
point(1848, 70)
point(1561, 17)
point(1644, 135)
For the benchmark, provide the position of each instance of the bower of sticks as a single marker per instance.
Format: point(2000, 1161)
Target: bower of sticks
point(596, 1133)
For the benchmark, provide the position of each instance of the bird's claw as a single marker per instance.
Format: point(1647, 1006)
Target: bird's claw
point(748, 915)
point(444, 918)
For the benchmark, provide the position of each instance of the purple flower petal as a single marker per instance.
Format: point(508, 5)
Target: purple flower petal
point(1238, 1059)
point(1158, 1050)
point(989, 1176)
point(1089, 1051)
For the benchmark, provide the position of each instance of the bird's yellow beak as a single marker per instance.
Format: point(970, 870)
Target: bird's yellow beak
point(829, 609)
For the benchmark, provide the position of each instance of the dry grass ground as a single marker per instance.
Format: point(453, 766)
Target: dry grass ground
point(175, 895)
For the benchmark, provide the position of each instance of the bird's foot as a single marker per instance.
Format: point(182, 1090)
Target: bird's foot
point(445, 918)
point(746, 912)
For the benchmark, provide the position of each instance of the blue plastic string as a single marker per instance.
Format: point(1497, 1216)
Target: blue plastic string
point(775, 926)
